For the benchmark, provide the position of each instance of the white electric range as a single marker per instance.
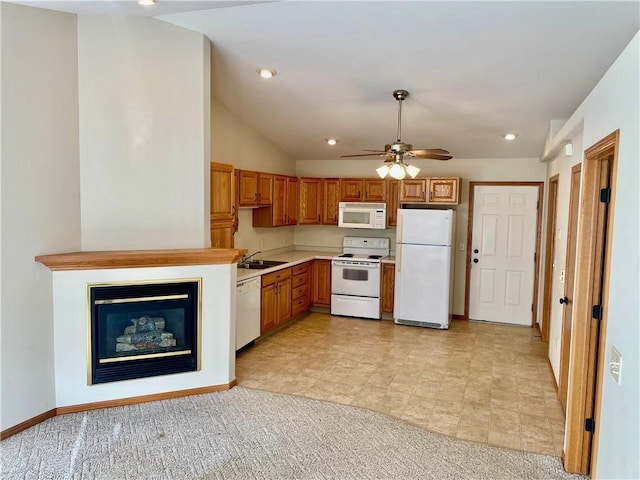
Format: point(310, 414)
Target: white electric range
point(355, 277)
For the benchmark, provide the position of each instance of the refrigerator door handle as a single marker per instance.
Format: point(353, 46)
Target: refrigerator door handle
point(398, 258)
point(399, 221)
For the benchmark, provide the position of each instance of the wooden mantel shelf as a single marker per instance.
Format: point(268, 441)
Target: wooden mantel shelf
point(140, 258)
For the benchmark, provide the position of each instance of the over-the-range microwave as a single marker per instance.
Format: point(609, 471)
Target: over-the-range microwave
point(362, 215)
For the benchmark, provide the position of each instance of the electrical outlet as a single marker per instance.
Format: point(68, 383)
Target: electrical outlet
point(261, 244)
point(461, 247)
point(562, 276)
point(615, 365)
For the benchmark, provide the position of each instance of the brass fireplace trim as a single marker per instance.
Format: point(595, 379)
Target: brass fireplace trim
point(146, 355)
point(141, 299)
point(89, 307)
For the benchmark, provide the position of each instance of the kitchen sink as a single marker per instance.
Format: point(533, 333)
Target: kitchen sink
point(260, 264)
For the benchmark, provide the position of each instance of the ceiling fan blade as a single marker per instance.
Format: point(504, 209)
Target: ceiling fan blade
point(376, 151)
point(423, 151)
point(433, 156)
point(373, 154)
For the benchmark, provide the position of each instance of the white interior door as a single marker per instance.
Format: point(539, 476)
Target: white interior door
point(502, 253)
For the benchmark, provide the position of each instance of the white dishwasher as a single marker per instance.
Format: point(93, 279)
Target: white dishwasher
point(247, 311)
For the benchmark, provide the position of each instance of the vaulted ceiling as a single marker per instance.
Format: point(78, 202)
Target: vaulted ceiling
point(475, 70)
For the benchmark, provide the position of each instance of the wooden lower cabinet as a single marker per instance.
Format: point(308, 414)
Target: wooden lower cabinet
point(321, 283)
point(301, 288)
point(275, 305)
point(387, 288)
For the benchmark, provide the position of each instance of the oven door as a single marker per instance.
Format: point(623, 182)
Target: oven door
point(357, 279)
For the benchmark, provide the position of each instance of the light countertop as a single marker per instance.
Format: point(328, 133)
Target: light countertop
point(292, 258)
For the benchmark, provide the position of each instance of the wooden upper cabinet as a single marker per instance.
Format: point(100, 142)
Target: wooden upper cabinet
point(330, 200)
point(375, 190)
point(254, 188)
point(310, 201)
point(444, 190)
point(291, 213)
point(393, 202)
point(414, 190)
point(351, 189)
point(284, 204)
point(264, 188)
point(222, 192)
point(223, 213)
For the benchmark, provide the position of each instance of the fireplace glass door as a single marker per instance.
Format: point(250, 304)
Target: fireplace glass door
point(143, 330)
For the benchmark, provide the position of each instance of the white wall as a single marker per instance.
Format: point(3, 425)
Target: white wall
point(614, 104)
point(40, 195)
point(476, 170)
point(143, 156)
point(561, 165)
point(234, 142)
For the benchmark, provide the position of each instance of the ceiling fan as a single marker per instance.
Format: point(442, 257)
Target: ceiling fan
point(395, 152)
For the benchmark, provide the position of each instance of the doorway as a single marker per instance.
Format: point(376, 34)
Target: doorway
point(593, 258)
point(503, 239)
point(569, 273)
point(550, 249)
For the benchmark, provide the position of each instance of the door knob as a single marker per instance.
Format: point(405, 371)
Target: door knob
point(564, 300)
point(475, 260)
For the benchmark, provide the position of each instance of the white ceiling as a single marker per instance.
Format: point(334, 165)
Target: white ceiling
point(474, 70)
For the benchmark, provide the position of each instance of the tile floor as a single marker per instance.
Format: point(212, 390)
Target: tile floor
point(476, 381)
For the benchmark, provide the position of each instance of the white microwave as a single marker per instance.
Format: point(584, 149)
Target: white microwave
point(362, 215)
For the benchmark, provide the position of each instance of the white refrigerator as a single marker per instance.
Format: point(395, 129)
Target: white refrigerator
point(424, 268)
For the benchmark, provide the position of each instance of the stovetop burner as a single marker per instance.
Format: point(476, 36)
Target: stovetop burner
point(375, 257)
point(346, 255)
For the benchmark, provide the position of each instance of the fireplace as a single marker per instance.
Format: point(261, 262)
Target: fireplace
point(140, 330)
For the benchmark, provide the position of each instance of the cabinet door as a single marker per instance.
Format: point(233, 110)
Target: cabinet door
point(222, 192)
point(248, 188)
point(444, 190)
point(393, 202)
point(310, 201)
point(268, 308)
point(291, 210)
point(322, 283)
point(222, 233)
point(265, 184)
point(278, 201)
point(387, 288)
point(375, 190)
point(351, 189)
point(330, 197)
point(413, 190)
point(284, 301)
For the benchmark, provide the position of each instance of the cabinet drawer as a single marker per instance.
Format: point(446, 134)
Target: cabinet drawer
point(301, 268)
point(299, 306)
point(274, 277)
point(300, 279)
point(301, 291)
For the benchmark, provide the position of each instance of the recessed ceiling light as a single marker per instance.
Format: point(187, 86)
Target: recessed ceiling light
point(510, 136)
point(146, 3)
point(266, 72)
point(331, 141)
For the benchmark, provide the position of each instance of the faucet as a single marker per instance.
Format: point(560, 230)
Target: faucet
point(246, 258)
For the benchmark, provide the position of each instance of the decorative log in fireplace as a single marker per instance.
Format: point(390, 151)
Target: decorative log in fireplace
point(141, 330)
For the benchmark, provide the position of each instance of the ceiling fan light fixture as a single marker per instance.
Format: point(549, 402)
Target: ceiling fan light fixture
point(266, 72)
point(383, 171)
point(412, 170)
point(397, 171)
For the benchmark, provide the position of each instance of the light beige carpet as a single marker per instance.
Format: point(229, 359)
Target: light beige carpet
point(252, 434)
